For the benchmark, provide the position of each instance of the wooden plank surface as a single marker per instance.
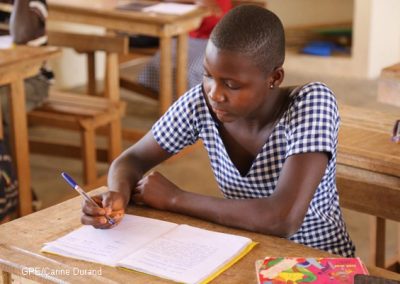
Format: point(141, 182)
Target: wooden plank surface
point(14, 58)
point(365, 140)
point(105, 13)
point(23, 238)
point(368, 171)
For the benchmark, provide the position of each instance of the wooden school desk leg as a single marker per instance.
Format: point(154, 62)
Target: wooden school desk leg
point(115, 139)
point(181, 64)
point(398, 249)
point(111, 80)
point(89, 155)
point(5, 277)
point(1, 123)
point(166, 86)
point(91, 75)
point(378, 241)
point(21, 147)
point(111, 90)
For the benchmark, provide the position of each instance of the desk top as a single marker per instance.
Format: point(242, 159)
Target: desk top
point(20, 55)
point(108, 9)
point(365, 140)
point(23, 238)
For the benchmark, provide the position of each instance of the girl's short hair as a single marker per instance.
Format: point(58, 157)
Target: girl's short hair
point(253, 31)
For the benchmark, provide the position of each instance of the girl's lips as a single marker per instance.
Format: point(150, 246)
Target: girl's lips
point(220, 111)
point(216, 109)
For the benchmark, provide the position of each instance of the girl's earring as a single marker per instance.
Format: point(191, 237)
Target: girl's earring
point(271, 86)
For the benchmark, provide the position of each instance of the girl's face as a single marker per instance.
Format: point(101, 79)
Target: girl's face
point(234, 86)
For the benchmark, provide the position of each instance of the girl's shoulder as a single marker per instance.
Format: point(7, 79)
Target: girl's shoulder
point(314, 94)
point(312, 91)
point(191, 104)
point(193, 96)
point(311, 99)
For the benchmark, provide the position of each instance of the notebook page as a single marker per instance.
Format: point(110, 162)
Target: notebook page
point(109, 245)
point(170, 8)
point(186, 254)
point(6, 42)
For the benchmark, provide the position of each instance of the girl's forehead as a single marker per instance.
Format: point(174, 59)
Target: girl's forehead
point(228, 62)
point(216, 57)
point(214, 53)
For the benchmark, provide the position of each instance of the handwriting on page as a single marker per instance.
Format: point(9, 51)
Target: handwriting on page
point(108, 246)
point(185, 254)
point(174, 256)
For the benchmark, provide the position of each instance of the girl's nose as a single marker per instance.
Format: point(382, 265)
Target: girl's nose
point(215, 94)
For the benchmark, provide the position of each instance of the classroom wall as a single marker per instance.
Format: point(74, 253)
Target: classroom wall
point(312, 12)
point(384, 35)
point(376, 39)
point(376, 34)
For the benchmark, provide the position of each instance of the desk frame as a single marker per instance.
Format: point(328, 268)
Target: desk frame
point(368, 172)
point(13, 74)
point(162, 26)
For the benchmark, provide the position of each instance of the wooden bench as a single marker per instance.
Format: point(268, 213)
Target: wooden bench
point(84, 113)
point(368, 172)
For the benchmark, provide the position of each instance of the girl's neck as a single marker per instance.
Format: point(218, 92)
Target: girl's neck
point(269, 113)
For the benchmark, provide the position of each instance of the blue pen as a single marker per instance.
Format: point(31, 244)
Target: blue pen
point(75, 186)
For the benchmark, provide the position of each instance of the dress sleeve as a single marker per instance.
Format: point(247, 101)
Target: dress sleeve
point(314, 121)
point(178, 127)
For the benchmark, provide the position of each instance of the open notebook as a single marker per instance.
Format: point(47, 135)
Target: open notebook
point(181, 253)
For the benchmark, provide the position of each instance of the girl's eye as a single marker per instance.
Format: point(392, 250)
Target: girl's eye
point(232, 86)
point(206, 75)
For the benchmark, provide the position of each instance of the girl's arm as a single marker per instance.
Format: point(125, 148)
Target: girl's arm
point(123, 176)
point(129, 167)
point(25, 24)
point(280, 214)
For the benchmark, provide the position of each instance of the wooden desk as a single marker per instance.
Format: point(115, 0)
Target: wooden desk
point(16, 64)
point(368, 171)
point(103, 13)
point(22, 240)
point(365, 140)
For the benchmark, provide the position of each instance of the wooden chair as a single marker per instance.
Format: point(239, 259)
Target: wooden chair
point(84, 113)
point(375, 192)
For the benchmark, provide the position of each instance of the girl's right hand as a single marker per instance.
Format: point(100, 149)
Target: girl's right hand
point(113, 205)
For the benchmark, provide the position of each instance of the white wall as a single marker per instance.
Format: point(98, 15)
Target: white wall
point(71, 69)
point(376, 33)
point(312, 12)
point(384, 35)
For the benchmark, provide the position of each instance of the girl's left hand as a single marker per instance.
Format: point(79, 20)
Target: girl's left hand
point(156, 191)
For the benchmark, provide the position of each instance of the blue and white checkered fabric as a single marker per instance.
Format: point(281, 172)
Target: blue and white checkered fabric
point(309, 125)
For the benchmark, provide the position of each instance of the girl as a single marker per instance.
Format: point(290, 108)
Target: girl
point(272, 149)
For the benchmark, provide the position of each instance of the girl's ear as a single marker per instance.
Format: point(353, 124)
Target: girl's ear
point(276, 77)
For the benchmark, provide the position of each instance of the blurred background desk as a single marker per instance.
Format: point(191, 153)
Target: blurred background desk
point(23, 251)
point(104, 13)
point(16, 64)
